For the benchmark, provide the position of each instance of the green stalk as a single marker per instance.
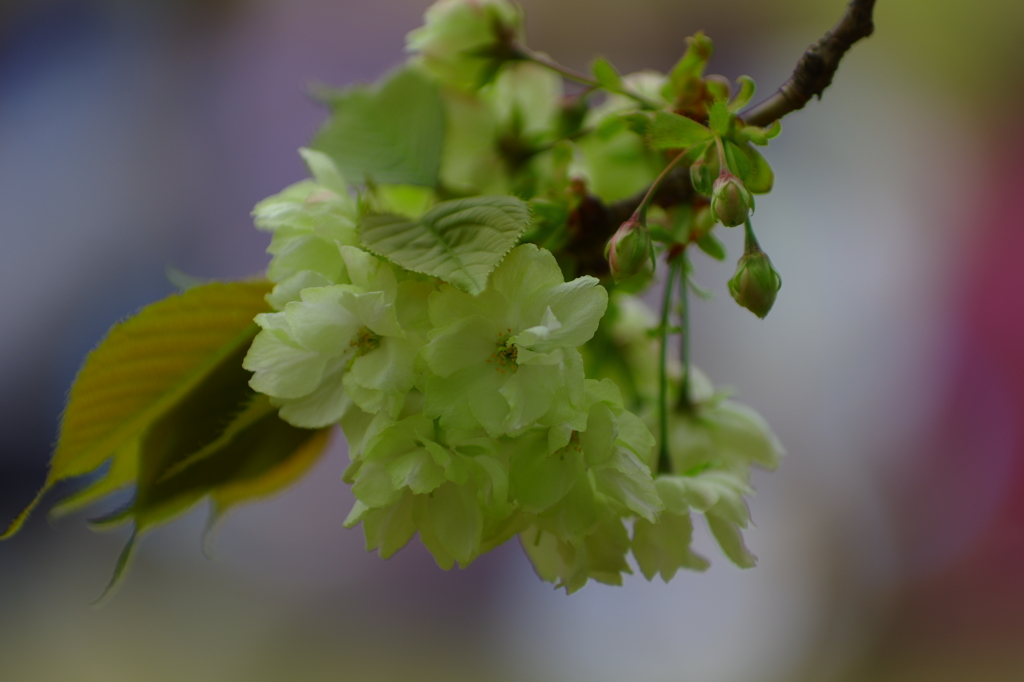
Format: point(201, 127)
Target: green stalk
point(523, 52)
point(685, 400)
point(664, 464)
point(750, 244)
point(723, 163)
point(641, 211)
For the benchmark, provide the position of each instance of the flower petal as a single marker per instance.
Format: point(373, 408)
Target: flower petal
point(578, 305)
point(529, 393)
point(468, 341)
point(323, 406)
point(282, 367)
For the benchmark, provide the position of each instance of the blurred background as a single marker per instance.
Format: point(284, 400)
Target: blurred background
point(137, 135)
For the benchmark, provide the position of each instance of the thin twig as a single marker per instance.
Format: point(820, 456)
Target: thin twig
point(664, 463)
point(641, 211)
point(685, 402)
point(523, 52)
point(813, 74)
point(816, 68)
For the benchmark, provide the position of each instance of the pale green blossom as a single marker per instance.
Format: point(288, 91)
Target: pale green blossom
point(577, 486)
point(450, 487)
point(507, 359)
point(342, 343)
point(601, 556)
point(310, 221)
point(713, 445)
point(464, 42)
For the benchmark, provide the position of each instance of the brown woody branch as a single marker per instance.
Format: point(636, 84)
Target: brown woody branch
point(816, 68)
point(594, 223)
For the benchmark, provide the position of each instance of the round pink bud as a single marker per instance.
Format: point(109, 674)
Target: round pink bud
point(756, 283)
point(629, 249)
point(730, 201)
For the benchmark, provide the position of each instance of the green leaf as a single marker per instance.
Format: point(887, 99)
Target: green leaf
point(760, 136)
point(699, 291)
point(692, 64)
point(753, 134)
point(257, 454)
point(165, 397)
point(139, 372)
point(718, 87)
point(661, 235)
point(610, 126)
point(459, 241)
point(407, 200)
point(391, 134)
point(549, 222)
point(669, 130)
point(711, 245)
point(752, 168)
point(719, 118)
point(274, 478)
point(222, 440)
point(739, 162)
point(747, 89)
point(606, 75)
point(637, 121)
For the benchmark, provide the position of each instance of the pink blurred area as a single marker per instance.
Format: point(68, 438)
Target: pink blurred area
point(137, 135)
point(959, 612)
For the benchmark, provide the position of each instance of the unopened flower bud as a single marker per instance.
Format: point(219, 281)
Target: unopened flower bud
point(730, 201)
point(756, 283)
point(629, 249)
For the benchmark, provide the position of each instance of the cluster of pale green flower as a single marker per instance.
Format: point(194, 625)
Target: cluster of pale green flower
point(468, 415)
point(469, 419)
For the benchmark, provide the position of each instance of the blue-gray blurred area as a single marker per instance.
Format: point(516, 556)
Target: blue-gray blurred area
point(136, 135)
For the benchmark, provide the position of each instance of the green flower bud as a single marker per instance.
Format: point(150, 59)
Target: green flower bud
point(756, 282)
point(731, 203)
point(464, 42)
point(629, 249)
point(701, 177)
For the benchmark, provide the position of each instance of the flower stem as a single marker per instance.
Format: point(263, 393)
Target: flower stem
point(685, 399)
point(641, 211)
point(664, 464)
point(750, 244)
point(523, 52)
point(723, 163)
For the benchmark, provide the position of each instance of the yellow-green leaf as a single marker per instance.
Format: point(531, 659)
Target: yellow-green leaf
point(460, 241)
point(606, 75)
point(275, 478)
point(143, 368)
point(669, 130)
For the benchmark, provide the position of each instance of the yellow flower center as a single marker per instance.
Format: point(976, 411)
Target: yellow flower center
point(364, 341)
point(504, 356)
